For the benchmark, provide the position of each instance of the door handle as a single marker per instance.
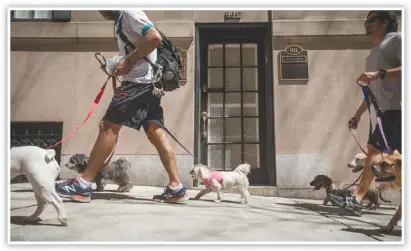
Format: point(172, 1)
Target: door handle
point(204, 118)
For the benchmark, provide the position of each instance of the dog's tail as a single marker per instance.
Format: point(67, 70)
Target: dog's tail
point(243, 168)
point(381, 198)
point(50, 155)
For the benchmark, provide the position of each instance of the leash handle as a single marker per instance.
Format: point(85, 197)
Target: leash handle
point(362, 83)
point(101, 59)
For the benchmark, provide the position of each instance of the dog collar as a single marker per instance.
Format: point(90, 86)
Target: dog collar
point(213, 175)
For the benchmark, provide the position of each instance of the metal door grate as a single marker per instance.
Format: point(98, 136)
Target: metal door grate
point(232, 105)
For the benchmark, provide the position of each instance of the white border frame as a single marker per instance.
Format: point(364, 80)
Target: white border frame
point(178, 6)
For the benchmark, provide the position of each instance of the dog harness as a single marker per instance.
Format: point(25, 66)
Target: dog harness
point(213, 175)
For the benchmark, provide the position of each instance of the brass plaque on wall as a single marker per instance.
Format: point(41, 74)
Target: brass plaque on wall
point(293, 63)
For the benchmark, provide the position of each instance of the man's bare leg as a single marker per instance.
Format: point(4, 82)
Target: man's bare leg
point(79, 189)
point(156, 135)
point(105, 143)
point(374, 156)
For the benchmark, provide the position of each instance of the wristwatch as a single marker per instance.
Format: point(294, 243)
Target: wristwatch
point(382, 73)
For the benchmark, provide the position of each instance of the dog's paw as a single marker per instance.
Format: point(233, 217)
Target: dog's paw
point(124, 189)
point(100, 187)
point(63, 221)
point(33, 219)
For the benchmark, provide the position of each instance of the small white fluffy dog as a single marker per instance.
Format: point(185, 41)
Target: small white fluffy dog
point(41, 169)
point(216, 181)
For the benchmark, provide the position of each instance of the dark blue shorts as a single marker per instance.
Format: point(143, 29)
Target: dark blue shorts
point(134, 105)
point(391, 124)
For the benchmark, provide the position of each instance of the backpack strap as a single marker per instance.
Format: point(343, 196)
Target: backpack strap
point(124, 38)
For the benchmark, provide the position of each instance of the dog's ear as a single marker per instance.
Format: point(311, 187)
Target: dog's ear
point(49, 155)
point(327, 181)
point(203, 171)
point(396, 152)
point(398, 161)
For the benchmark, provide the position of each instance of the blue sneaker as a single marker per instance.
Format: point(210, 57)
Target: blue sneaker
point(171, 196)
point(72, 189)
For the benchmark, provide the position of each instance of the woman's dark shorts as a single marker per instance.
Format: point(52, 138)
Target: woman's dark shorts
point(391, 124)
point(133, 105)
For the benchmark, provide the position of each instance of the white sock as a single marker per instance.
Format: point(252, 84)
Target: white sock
point(177, 187)
point(84, 182)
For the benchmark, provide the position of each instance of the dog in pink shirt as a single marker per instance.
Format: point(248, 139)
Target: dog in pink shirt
point(216, 181)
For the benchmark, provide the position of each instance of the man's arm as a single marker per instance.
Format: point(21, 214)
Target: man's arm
point(394, 73)
point(145, 46)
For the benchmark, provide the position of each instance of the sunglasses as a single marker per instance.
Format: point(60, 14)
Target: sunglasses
point(371, 20)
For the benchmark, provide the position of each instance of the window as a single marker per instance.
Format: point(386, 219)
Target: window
point(40, 15)
point(42, 134)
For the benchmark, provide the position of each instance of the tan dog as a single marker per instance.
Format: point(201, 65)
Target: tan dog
point(388, 171)
point(357, 164)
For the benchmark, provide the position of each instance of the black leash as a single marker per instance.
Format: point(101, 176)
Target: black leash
point(176, 140)
point(358, 143)
point(354, 182)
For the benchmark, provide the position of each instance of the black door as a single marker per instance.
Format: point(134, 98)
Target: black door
point(232, 101)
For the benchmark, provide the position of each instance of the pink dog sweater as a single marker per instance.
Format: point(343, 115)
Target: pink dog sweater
point(214, 175)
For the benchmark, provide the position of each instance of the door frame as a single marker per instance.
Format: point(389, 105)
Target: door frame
point(201, 30)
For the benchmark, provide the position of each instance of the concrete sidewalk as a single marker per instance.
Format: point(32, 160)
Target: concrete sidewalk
point(133, 216)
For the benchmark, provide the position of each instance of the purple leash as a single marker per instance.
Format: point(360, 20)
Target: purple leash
point(387, 147)
point(367, 93)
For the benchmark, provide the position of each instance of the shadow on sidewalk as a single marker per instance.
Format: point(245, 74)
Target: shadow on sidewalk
point(329, 210)
point(373, 232)
point(21, 220)
point(114, 195)
point(22, 191)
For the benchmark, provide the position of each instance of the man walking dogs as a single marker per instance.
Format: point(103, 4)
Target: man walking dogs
point(133, 105)
point(383, 73)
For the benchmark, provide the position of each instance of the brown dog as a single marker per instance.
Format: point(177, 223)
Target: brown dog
point(388, 170)
point(323, 181)
point(357, 164)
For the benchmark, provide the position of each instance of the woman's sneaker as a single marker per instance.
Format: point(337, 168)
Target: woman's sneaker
point(349, 203)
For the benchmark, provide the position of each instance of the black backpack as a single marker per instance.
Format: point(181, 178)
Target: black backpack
point(168, 56)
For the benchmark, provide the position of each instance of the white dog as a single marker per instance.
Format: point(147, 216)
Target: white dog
point(216, 181)
point(358, 162)
point(41, 169)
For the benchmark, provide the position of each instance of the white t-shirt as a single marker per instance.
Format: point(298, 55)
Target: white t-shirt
point(134, 24)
